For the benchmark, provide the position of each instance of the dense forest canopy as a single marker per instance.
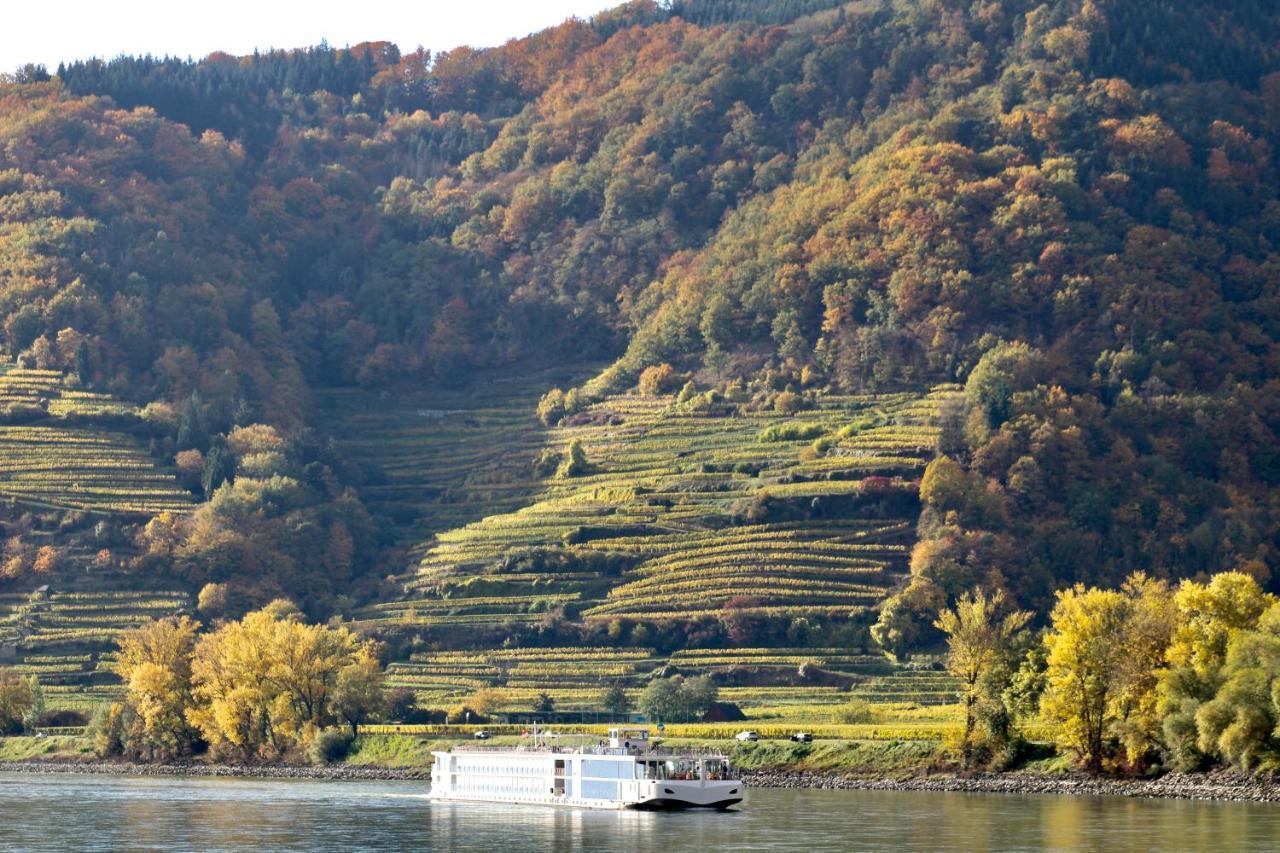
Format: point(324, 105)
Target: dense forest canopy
point(1069, 206)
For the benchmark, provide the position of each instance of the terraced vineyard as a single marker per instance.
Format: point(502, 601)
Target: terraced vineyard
point(576, 677)
point(45, 390)
point(675, 515)
point(657, 526)
point(84, 467)
point(441, 459)
point(67, 639)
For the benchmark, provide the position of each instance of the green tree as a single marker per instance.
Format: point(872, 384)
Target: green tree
point(192, 431)
point(1002, 371)
point(219, 465)
point(358, 692)
point(1205, 616)
point(661, 700)
point(614, 699)
point(699, 694)
point(1242, 722)
point(17, 698)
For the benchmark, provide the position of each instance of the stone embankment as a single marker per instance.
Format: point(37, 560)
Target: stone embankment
point(262, 771)
point(1222, 785)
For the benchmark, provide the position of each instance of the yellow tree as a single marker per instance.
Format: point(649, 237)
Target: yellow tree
point(1147, 633)
point(267, 681)
point(1241, 722)
point(236, 703)
point(155, 663)
point(306, 661)
point(980, 644)
point(1085, 665)
point(1206, 615)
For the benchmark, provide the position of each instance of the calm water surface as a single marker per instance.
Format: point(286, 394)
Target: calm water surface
point(69, 812)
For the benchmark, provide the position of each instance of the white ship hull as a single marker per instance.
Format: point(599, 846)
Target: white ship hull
point(682, 795)
point(617, 777)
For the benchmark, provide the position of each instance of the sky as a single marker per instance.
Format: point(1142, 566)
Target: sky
point(64, 30)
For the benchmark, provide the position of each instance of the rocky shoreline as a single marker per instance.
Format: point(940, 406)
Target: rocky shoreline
point(1221, 785)
point(230, 771)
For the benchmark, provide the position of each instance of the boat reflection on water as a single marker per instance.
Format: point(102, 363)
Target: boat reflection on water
point(455, 826)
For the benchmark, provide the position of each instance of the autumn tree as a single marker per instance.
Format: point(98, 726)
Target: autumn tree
point(154, 661)
point(1206, 614)
point(17, 699)
point(982, 640)
point(267, 682)
point(359, 694)
point(1240, 723)
point(1086, 659)
point(1147, 634)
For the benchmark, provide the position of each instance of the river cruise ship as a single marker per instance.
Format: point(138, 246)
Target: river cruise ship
point(626, 772)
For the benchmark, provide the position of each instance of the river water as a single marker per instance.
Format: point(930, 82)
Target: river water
point(73, 812)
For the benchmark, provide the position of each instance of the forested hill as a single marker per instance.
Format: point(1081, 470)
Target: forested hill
point(1070, 207)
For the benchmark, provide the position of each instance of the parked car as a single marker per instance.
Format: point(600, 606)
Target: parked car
point(802, 737)
point(481, 735)
point(748, 735)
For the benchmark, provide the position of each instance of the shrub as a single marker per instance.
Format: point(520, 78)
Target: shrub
point(546, 463)
point(331, 746)
point(551, 408)
point(855, 712)
point(658, 379)
point(793, 431)
point(575, 461)
point(787, 403)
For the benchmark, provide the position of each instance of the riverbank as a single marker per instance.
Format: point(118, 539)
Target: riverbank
point(1221, 785)
point(337, 772)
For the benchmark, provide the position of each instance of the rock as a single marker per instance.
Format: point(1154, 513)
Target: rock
point(1220, 785)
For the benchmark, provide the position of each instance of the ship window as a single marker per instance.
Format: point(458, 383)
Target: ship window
point(606, 769)
point(715, 769)
point(680, 768)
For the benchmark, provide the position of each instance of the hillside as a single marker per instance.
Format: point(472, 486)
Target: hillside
point(729, 337)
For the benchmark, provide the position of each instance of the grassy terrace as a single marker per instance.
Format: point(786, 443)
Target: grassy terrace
point(81, 466)
point(68, 638)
